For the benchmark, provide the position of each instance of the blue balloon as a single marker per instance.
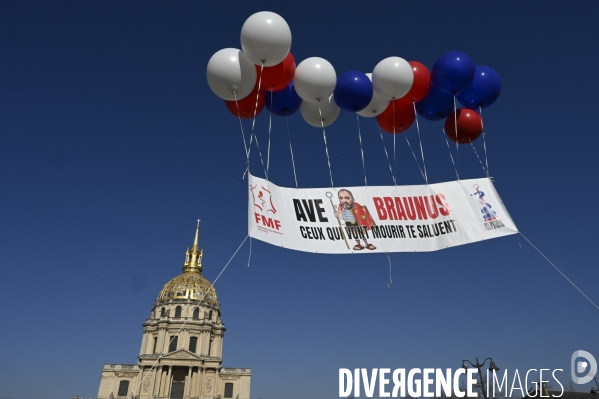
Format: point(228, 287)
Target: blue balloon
point(284, 102)
point(483, 91)
point(436, 105)
point(353, 91)
point(453, 72)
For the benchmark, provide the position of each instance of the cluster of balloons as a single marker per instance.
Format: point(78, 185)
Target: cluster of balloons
point(264, 73)
point(264, 64)
point(455, 76)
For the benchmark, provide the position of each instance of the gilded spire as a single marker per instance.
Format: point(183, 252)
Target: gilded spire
point(193, 256)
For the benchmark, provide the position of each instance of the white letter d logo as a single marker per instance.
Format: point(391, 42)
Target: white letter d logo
point(582, 366)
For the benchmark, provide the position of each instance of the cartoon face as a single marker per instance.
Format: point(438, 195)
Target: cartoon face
point(346, 199)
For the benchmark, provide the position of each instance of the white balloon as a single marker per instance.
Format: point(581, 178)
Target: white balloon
point(320, 114)
point(315, 79)
point(376, 106)
point(266, 38)
point(231, 74)
point(392, 78)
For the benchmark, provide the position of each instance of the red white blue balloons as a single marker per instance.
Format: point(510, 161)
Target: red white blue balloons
point(483, 91)
point(469, 126)
point(266, 38)
point(436, 105)
point(453, 72)
point(392, 78)
point(376, 106)
point(315, 79)
point(421, 85)
point(266, 70)
point(279, 76)
point(283, 102)
point(248, 107)
point(231, 75)
point(320, 114)
point(397, 118)
point(353, 91)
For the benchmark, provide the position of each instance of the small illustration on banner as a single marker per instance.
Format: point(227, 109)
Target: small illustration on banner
point(491, 220)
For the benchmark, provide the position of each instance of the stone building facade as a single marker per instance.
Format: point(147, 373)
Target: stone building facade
point(182, 346)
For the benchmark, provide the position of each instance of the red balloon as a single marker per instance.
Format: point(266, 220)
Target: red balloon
point(470, 126)
point(397, 118)
point(246, 106)
point(421, 85)
point(279, 76)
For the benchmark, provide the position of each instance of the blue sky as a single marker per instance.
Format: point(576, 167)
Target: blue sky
point(112, 145)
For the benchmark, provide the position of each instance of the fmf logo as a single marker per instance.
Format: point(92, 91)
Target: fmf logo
point(263, 199)
point(263, 202)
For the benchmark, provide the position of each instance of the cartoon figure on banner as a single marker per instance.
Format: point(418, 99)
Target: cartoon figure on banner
point(263, 199)
point(357, 219)
point(488, 213)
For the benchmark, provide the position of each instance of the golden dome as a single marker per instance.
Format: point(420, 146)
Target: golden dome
point(191, 284)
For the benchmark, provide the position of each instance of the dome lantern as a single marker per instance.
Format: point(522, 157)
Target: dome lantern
point(193, 256)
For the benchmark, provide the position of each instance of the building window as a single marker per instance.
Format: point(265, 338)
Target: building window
point(178, 312)
point(193, 343)
point(178, 386)
point(173, 345)
point(209, 347)
point(210, 315)
point(228, 389)
point(123, 388)
point(155, 343)
point(196, 314)
point(162, 312)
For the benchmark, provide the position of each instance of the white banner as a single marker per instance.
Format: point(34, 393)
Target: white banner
point(377, 219)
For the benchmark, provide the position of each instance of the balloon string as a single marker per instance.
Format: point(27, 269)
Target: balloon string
point(420, 140)
point(291, 150)
point(260, 154)
point(482, 126)
point(390, 279)
point(241, 127)
point(479, 161)
point(449, 149)
point(250, 255)
point(519, 244)
point(415, 159)
point(256, 108)
point(269, 130)
point(253, 135)
point(386, 153)
point(556, 268)
point(326, 146)
point(362, 150)
point(247, 154)
point(394, 158)
point(457, 148)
